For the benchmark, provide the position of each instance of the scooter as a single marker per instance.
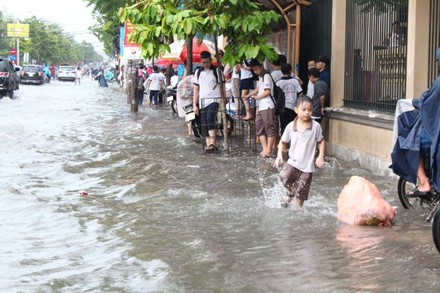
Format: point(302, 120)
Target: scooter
point(171, 94)
point(196, 121)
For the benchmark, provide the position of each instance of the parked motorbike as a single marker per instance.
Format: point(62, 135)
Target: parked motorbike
point(196, 121)
point(171, 94)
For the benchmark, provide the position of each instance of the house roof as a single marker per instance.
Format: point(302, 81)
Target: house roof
point(283, 7)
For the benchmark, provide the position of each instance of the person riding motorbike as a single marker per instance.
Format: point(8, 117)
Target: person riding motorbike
point(419, 134)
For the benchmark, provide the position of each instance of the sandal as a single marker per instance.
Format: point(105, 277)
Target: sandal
point(211, 148)
point(417, 193)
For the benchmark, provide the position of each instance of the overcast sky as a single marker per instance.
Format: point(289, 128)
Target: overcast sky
point(72, 15)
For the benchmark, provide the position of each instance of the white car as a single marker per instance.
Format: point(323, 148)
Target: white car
point(66, 73)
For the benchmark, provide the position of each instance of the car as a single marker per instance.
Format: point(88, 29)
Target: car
point(32, 74)
point(66, 73)
point(9, 80)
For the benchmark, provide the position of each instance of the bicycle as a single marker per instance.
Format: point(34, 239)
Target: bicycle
point(428, 202)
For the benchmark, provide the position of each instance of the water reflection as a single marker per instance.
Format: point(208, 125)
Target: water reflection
point(160, 215)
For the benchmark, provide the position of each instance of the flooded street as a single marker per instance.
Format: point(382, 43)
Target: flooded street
point(162, 216)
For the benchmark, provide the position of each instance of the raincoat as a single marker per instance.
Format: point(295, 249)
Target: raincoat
point(405, 154)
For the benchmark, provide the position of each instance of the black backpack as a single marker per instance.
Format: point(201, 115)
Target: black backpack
point(214, 69)
point(278, 98)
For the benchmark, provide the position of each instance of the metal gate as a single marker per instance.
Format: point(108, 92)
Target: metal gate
point(376, 54)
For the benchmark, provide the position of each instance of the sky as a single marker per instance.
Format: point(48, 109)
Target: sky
point(72, 15)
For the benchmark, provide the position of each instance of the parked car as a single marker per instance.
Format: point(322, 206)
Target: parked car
point(9, 80)
point(66, 73)
point(32, 74)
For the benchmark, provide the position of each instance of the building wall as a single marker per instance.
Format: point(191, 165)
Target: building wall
point(362, 136)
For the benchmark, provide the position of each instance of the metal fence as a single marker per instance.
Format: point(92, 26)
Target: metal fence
point(434, 40)
point(375, 55)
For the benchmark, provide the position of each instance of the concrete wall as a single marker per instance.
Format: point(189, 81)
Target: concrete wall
point(418, 44)
point(365, 137)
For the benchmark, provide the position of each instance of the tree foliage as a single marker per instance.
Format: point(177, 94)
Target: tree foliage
point(243, 23)
point(106, 30)
point(47, 43)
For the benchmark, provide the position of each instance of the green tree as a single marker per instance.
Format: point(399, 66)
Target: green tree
point(48, 43)
point(243, 23)
point(106, 30)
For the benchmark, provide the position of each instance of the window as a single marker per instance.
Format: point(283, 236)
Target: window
point(375, 65)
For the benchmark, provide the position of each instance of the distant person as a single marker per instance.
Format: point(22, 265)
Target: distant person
point(154, 84)
point(78, 75)
point(292, 89)
point(303, 134)
point(207, 94)
point(266, 122)
point(101, 79)
point(276, 72)
point(163, 77)
point(322, 64)
point(310, 64)
point(320, 92)
point(396, 38)
point(247, 84)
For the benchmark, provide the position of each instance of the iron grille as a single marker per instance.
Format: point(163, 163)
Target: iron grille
point(434, 40)
point(375, 65)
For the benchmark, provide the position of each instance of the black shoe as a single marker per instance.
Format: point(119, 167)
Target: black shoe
point(417, 193)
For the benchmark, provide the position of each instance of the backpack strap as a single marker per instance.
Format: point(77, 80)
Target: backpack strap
point(273, 81)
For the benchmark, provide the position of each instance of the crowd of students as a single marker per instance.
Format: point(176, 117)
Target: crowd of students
point(297, 129)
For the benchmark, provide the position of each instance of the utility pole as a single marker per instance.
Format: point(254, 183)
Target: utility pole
point(133, 89)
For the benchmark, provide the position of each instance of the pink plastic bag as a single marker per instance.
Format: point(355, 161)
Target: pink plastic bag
point(360, 203)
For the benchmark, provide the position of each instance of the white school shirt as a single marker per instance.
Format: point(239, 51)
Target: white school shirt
point(310, 89)
point(264, 83)
point(209, 89)
point(291, 88)
point(245, 74)
point(156, 81)
point(302, 145)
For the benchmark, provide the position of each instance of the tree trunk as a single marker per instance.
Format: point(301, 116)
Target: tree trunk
point(133, 91)
point(189, 56)
point(223, 98)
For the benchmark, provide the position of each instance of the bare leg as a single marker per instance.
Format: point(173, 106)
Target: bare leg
point(212, 137)
point(423, 181)
point(246, 105)
point(263, 141)
point(267, 145)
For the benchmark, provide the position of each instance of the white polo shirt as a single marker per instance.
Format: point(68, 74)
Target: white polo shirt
point(264, 83)
point(302, 145)
point(209, 89)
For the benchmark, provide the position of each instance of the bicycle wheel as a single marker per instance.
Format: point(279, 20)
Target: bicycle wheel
point(436, 228)
point(403, 187)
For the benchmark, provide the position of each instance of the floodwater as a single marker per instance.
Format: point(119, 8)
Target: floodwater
point(162, 216)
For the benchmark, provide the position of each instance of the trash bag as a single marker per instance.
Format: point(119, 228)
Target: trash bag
point(360, 203)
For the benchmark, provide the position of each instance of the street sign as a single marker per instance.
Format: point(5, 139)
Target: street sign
point(13, 51)
point(18, 30)
point(12, 57)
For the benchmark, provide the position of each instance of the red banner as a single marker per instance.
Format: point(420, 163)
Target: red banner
point(129, 27)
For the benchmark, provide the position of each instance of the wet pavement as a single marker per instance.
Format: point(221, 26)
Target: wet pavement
point(162, 216)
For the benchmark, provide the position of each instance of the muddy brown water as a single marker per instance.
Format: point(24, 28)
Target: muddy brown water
point(162, 216)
